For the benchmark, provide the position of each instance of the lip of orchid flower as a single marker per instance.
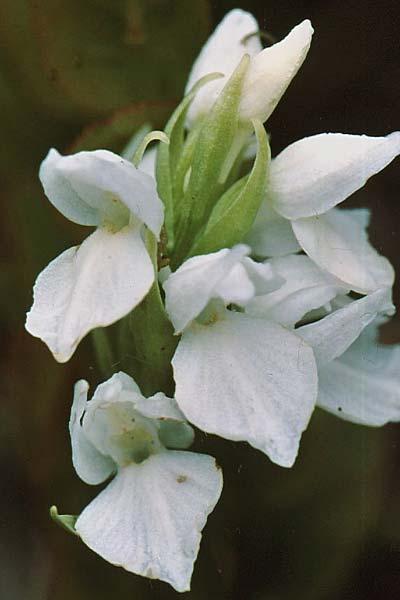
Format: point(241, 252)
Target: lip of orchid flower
point(103, 279)
point(159, 499)
point(238, 376)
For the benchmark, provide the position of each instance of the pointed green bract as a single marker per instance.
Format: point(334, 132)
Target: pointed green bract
point(168, 155)
point(208, 172)
point(234, 213)
point(67, 522)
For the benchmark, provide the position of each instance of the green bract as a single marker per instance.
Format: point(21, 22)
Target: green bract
point(235, 211)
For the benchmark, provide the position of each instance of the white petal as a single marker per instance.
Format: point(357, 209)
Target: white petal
point(247, 379)
point(332, 335)
point(88, 286)
point(262, 275)
point(90, 188)
point(271, 71)
point(160, 406)
point(63, 196)
point(91, 466)
point(174, 431)
point(222, 54)
point(306, 288)
point(189, 289)
point(363, 385)
point(271, 234)
point(338, 243)
point(316, 173)
point(149, 518)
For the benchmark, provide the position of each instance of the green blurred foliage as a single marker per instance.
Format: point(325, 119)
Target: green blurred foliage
point(82, 75)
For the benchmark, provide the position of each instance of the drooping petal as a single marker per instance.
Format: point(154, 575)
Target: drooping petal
point(363, 385)
point(331, 336)
point(189, 289)
point(91, 466)
point(149, 518)
point(88, 286)
point(338, 243)
point(314, 174)
point(271, 71)
point(221, 54)
point(306, 288)
point(271, 234)
point(247, 379)
point(91, 188)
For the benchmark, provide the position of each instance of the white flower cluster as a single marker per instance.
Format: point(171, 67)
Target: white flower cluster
point(282, 320)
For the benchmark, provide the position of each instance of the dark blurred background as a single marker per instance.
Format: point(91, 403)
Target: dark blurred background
point(85, 74)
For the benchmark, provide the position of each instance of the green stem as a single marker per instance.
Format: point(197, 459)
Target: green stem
point(104, 352)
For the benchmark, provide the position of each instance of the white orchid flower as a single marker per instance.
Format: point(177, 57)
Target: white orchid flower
point(149, 517)
point(358, 377)
point(238, 376)
point(270, 72)
point(363, 384)
point(307, 180)
point(306, 288)
point(103, 279)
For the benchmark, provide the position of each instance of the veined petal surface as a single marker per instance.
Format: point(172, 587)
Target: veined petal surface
point(338, 242)
point(247, 379)
point(92, 188)
point(306, 288)
point(149, 518)
point(316, 173)
point(88, 286)
point(363, 385)
point(331, 336)
point(189, 289)
point(91, 466)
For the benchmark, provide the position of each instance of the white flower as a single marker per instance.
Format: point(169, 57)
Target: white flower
point(103, 279)
point(307, 180)
point(306, 288)
point(270, 71)
point(238, 376)
point(149, 517)
point(359, 379)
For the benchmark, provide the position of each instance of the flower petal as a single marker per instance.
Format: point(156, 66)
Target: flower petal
point(338, 243)
point(174, 431)
point(159, 406)
point(149, 518)
point(88, 286)
point(189, 289)
point(306, 288)
point(331, 336)
point(91, 466)
point(247, 379)
point(363, 385)
point(271, 72)
point(222, 53)
point(314, 174)
point(90, 188)
point(271, 234)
